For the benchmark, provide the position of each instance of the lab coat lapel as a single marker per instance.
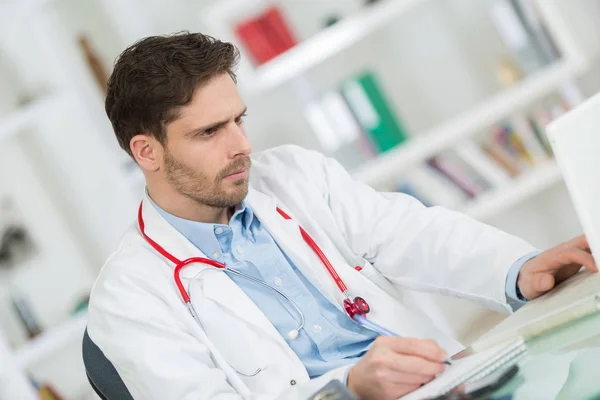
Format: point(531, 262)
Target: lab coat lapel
point(215, 284)
point(287, 235)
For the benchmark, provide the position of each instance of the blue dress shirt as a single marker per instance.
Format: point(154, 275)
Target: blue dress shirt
point(329, 339)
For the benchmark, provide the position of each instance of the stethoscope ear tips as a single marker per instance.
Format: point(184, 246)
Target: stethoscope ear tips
point(292, 334)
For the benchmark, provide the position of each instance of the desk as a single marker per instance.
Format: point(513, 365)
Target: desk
point(563, 365)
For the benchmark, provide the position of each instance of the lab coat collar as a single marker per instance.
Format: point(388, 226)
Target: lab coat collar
point(286, 232)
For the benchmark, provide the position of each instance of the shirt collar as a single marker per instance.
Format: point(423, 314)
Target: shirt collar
point(202, 234)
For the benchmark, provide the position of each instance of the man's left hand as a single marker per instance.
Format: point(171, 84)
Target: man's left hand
point(542, 273)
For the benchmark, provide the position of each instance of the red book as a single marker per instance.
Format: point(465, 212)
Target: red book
point(255, 41)
point(277, 30)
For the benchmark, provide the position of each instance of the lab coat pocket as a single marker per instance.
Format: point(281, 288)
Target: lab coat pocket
point(233, 338)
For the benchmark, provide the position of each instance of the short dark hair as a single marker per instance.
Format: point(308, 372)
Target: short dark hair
point(156, 76)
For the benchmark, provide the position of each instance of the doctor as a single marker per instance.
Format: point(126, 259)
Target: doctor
point(175, 109)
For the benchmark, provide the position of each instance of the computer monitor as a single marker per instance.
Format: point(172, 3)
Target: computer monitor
point(575, 140)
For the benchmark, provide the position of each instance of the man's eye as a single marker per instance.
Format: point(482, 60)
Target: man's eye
point(210, 132)
point(240, 119)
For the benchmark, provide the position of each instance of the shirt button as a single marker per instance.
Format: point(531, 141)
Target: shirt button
point(215, 254)
point(292, 382)
point(240, 250)
point(317, 328)
point(277, 281)
point(219, 230)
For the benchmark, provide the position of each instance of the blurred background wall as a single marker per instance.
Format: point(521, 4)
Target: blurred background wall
point(444, 100)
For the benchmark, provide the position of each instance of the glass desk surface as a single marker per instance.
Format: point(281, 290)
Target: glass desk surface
point(561, 365)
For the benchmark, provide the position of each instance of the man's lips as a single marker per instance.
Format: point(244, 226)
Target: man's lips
point(238, 174)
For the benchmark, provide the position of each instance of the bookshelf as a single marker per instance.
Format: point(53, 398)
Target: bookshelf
point(51, 341)
point(313, 51)
point(387, 166)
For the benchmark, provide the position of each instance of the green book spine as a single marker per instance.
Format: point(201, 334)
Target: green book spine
point(372, 110)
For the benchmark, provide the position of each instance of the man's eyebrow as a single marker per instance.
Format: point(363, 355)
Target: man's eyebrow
point(214, 124)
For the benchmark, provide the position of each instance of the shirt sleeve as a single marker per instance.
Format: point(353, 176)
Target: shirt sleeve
point(513, 295)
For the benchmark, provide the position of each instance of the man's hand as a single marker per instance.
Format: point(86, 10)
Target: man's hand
point(395, 366)
point(542, 273)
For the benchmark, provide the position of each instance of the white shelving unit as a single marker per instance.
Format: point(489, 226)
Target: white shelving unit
point(313, 51)
point(29, 195)
point(529, 184)
point(27, 115)
point(380, 170)
point(48, 342)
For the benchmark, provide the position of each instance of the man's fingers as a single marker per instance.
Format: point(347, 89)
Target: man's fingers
point(543, 282)
point(418, 366)
point(423, 348)
point(580, 242)
point(579, 257)
point(393, 376)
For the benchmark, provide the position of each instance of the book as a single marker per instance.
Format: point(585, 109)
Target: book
point(505, 136)
point(529, 140)
point(501, 157)
point(97, 68)
point(437, 189)
point(466, 181)
point(538, 120)
point(373, 111)
point(479, 160)
point(513, 32)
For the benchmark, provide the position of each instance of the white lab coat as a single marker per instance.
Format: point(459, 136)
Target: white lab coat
point(136, 315)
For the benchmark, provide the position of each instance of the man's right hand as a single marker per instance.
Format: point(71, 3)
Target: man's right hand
point(395, 366)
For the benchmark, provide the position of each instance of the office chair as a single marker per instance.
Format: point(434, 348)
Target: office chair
point(101, 374)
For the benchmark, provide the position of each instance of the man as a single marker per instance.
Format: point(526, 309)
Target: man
point(175, 109)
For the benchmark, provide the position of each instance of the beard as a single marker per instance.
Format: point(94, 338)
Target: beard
point(204, 189)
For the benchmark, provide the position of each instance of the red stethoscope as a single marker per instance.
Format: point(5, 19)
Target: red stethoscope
point(356, 307)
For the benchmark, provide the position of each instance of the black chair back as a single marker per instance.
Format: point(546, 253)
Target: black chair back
point(103, 376)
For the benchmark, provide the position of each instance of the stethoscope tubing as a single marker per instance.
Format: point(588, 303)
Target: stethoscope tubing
point(356, 314)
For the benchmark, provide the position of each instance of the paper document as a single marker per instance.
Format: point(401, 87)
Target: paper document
point(471, 368)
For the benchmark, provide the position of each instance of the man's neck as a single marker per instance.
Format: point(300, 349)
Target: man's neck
point(190, 209)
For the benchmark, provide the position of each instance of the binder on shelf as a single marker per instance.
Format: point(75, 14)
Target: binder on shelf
point(374, 113)
point(477, 158)
point(255, 41)
point(278, 30)
point(336, 129)
point(529, 15)
point(266, 35)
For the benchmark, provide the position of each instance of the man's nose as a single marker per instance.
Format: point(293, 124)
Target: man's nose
point(240, 144)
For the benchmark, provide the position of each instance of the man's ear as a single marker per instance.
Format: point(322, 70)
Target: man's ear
point(147, 151)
